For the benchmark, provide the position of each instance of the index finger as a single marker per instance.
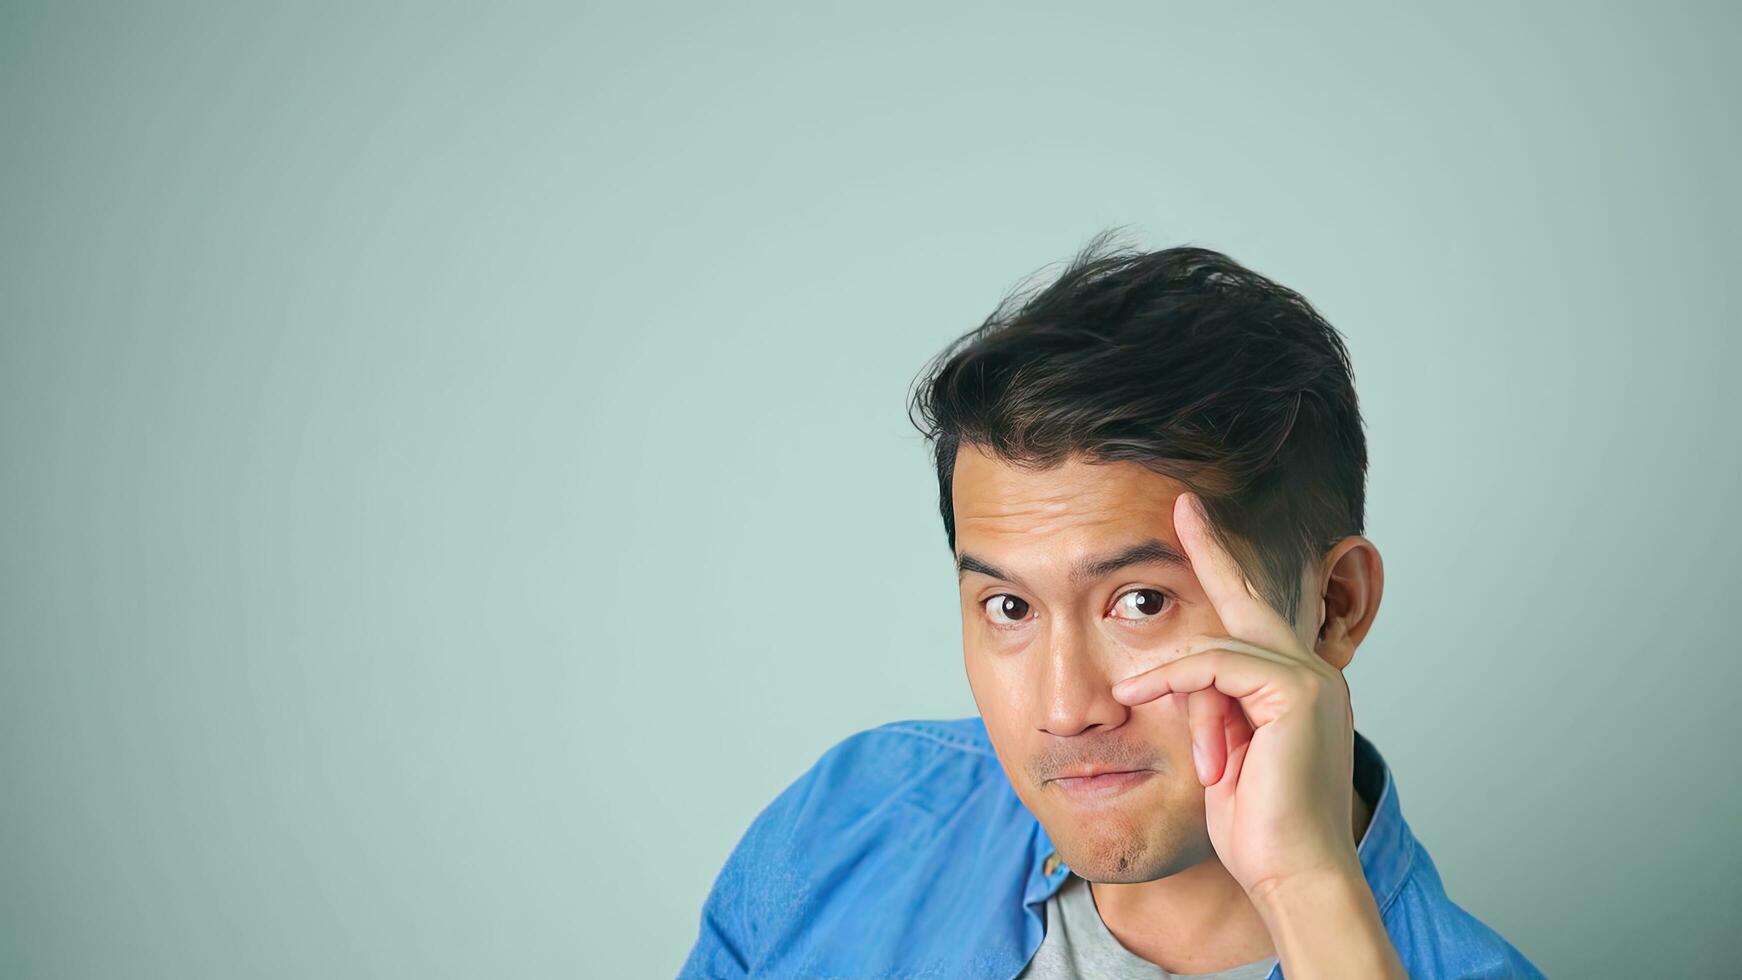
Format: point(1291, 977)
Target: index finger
point(1244, 614)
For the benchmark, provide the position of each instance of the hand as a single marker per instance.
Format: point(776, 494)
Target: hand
point(1272, 731)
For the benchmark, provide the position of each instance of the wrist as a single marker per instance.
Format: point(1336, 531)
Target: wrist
point(1338, 881)
point(1325, 923)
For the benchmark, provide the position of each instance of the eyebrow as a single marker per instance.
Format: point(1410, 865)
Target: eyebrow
point(1151, 552)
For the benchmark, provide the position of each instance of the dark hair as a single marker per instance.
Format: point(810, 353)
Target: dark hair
point(1181, 360)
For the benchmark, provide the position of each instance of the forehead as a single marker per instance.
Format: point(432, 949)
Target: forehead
point(995, 499)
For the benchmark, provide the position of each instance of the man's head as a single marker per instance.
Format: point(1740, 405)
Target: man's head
point(1064, 428)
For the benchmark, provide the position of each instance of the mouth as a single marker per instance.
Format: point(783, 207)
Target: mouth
point(1101, 786)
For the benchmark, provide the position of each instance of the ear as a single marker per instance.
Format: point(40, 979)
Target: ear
point(1352, 579)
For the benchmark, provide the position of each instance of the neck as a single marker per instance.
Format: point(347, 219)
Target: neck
point(1198, 920)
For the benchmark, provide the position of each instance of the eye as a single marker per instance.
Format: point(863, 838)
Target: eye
point(1006, 604)
point(1146, 603)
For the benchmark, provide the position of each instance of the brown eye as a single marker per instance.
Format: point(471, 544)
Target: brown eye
point(1006, 605)
point(1142, 603)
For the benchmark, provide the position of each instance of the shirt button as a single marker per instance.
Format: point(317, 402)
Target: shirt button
point(1051, 865)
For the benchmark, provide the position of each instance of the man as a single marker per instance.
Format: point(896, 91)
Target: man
point(1151, 475)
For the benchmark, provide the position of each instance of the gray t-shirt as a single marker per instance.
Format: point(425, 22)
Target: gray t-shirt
point(1079, 945)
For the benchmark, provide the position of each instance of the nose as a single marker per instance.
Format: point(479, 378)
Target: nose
point(1076, 679)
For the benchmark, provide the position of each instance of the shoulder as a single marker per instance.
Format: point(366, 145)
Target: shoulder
point(892, 769)
point(1437, 937)
point(916, 760)
point(862, 812)
point(1434, 935)
point(895, 747)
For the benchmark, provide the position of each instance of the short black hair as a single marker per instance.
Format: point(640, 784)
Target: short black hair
point(1184, 361)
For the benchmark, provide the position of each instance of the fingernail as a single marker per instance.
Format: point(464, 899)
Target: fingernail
point(1198, 761)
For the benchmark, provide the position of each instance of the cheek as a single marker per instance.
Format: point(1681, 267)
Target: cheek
point(994, 672)
point(995, 692)
point(1166, 720)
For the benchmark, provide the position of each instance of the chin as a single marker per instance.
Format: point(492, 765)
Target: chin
point(1132, 867)
point(1121, 851)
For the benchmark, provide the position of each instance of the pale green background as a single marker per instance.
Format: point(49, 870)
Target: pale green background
point(456, 467)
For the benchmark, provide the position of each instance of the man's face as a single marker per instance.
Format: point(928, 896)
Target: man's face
point(1043, 649)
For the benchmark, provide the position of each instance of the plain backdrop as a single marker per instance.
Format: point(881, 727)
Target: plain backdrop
point(456, 466)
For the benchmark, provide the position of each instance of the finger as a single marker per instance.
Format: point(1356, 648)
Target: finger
point(1265, 686)
point(1206, 712)
point(1236, 729)
point(1155, 682)
point(1243, 613)
point(1225, 787)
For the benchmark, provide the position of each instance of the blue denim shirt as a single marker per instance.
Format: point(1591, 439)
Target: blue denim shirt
point(905, 852)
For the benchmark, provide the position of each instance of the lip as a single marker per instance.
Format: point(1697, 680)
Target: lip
point(1102, 785)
